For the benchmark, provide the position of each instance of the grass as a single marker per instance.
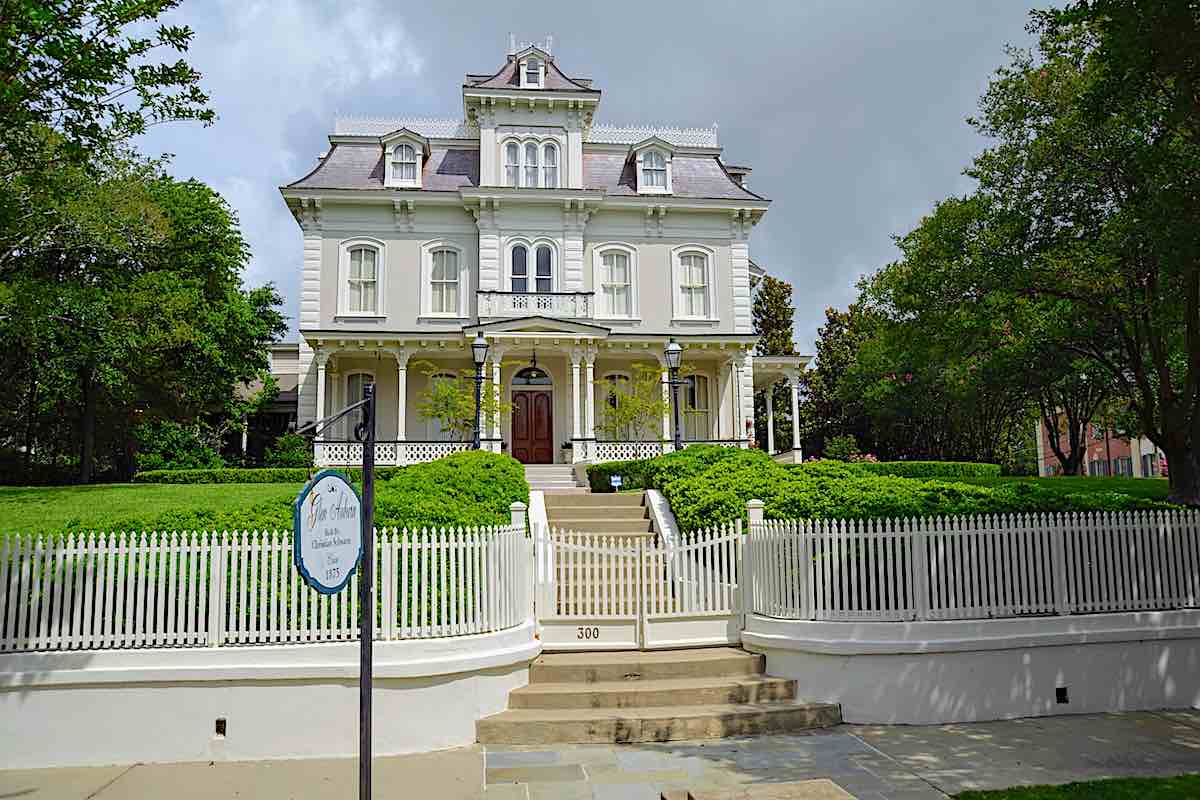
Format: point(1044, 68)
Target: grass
point(30, 509)
point(1178, 788)
point(1150, 488)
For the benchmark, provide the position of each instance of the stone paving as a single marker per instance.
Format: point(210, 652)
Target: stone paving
point(863, 762)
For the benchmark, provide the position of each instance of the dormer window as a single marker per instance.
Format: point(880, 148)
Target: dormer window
point(653, 157)
point(531, 73)
point(403, 153)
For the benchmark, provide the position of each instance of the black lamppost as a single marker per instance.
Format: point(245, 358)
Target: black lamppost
point(674, 355)
point(479, 350)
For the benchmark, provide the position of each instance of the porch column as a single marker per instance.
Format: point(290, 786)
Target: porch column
point(322, 358)
point(794, 385)
point(335, 394)
point(496, 356)
point(771, 419)
point(666, 395)
point(589, 429)
point(735, 396)
point(401, 394)
point(575, 421)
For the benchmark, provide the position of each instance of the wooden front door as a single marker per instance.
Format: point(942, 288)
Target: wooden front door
point(532, 428)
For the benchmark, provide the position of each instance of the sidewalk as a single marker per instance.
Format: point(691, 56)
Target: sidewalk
point(865, 762)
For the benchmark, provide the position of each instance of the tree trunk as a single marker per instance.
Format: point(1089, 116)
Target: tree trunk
point(87, 428)
point(1183, 464)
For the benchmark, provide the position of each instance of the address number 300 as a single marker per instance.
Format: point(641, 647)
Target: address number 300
point(588, 633)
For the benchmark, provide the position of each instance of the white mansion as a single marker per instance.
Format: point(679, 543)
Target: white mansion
point(577, 249)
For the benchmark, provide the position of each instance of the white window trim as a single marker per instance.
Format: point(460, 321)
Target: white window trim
point(464, 280)
point(343, 296)
point(643, 188)
point(531, 246)
point(543, 146)
point(710, 400)
point(392, 178)
point(630, 252)
point(525, 84)
point(541, 143)
point(710, 295)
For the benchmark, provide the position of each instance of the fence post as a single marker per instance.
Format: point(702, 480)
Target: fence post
point(1058, 566)
point(920, 567)
point(216, 591)
point(754, 509)
point(518, 515)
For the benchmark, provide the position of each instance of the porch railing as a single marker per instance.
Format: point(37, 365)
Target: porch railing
point(622, 450)
point(335, 453)
point(557, 305)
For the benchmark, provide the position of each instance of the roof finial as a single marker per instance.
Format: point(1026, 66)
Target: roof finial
point(549, 44)
point(512, 43)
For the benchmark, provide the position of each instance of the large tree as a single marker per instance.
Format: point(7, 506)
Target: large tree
point(1096, 155)
point(773, 311)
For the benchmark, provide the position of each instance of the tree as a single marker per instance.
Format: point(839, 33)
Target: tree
point(449, 398)
point(1097, 155)
point(634, 407)
point(773, 312)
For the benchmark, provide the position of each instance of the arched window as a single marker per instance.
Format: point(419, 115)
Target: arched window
point(512, 165)
point(532, 376)
point(404, 163)
point(693, 285)
point(444, 279)
point(696, 419)
point(545, 269)
point(550, 166)
point(616, 284)
point(362, 283)
point(355, 382)
point(654, 170)
point(531, 165)
point(520, 268)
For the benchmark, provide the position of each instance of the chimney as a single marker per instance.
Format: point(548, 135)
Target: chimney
point(549, 44)
point(512, 43)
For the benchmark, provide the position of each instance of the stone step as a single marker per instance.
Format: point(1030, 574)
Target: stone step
point(621, 499)
point(601, 525)
point(652, 724)
point(625, 665)
point(646, 694)
point(572, 490)
point(599, 512)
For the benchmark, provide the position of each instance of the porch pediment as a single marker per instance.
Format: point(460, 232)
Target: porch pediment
point(539, 326)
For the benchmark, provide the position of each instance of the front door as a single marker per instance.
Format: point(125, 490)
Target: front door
point(532, 428)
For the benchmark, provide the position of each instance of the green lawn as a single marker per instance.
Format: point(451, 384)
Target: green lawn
point(1184, 786)
point(28, 509)
point(1151, 488)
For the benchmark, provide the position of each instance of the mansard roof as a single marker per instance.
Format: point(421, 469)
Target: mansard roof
point(652, 141)
point(448, 168)
point(451, 128)
point(509, 76)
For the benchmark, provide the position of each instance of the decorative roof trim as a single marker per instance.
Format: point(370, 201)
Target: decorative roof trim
point(429, 127)
point(632, 134)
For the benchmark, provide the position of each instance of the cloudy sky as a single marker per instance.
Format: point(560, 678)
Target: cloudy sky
point(850, 112)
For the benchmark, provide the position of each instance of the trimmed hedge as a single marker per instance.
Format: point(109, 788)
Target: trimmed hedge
point(710, 485)
point(928, 469)
point(251, 475)
point(633, 475)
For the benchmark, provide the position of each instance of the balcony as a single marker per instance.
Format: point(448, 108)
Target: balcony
point(555, 305)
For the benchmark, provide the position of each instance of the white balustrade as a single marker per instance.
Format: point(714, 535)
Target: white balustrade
point(387, 454)
point(557, 305)
point(625, 451)
point(131, 590)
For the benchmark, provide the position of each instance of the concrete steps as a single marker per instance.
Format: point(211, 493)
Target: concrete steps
point(556, 478)
point(620, 513)
point(660, 696)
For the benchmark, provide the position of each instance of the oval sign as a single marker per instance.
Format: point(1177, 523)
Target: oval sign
point(327, 519)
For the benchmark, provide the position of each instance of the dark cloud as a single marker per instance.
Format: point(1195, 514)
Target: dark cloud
point(851, 113)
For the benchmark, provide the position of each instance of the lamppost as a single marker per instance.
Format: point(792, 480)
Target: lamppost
point(674, 355)
point(479, 350)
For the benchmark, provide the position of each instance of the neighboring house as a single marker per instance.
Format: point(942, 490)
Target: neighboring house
point(577, 249)
point(1106, 453)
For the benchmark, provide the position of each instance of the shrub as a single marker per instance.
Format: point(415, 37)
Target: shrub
point(289, 450)
point(926, 469)
point(633, 475)
point(251, 475)
point(841, 448)
point(472, 488)
point(164, 444)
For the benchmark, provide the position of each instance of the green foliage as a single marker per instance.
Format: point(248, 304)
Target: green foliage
point(841, 448)
point(167, 445)
point(472, 488)
point(1173, 788)
point(928, 469)
point(633, 475)
point(634, 408)
point(251, 475)
point(772, 313)
point(290, 450)
point(449, 398)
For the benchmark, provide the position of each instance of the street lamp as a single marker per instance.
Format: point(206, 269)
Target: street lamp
point(479, 350)
point(674, 355)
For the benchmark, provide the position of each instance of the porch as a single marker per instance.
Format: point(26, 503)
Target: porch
point(552, 378)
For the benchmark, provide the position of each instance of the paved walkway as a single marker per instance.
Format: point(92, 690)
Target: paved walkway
point(864, 762)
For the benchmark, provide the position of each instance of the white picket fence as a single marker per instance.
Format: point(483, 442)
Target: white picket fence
point(1006, 565)
point(128, 590)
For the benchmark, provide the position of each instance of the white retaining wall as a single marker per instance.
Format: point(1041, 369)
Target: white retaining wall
point(279, 701)
point(968, 671)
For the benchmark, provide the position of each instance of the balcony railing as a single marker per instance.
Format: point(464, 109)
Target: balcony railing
point(342, 453)
point(557, 305)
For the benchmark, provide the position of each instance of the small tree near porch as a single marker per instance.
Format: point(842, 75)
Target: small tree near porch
point(633, 407)
point(449, 398)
